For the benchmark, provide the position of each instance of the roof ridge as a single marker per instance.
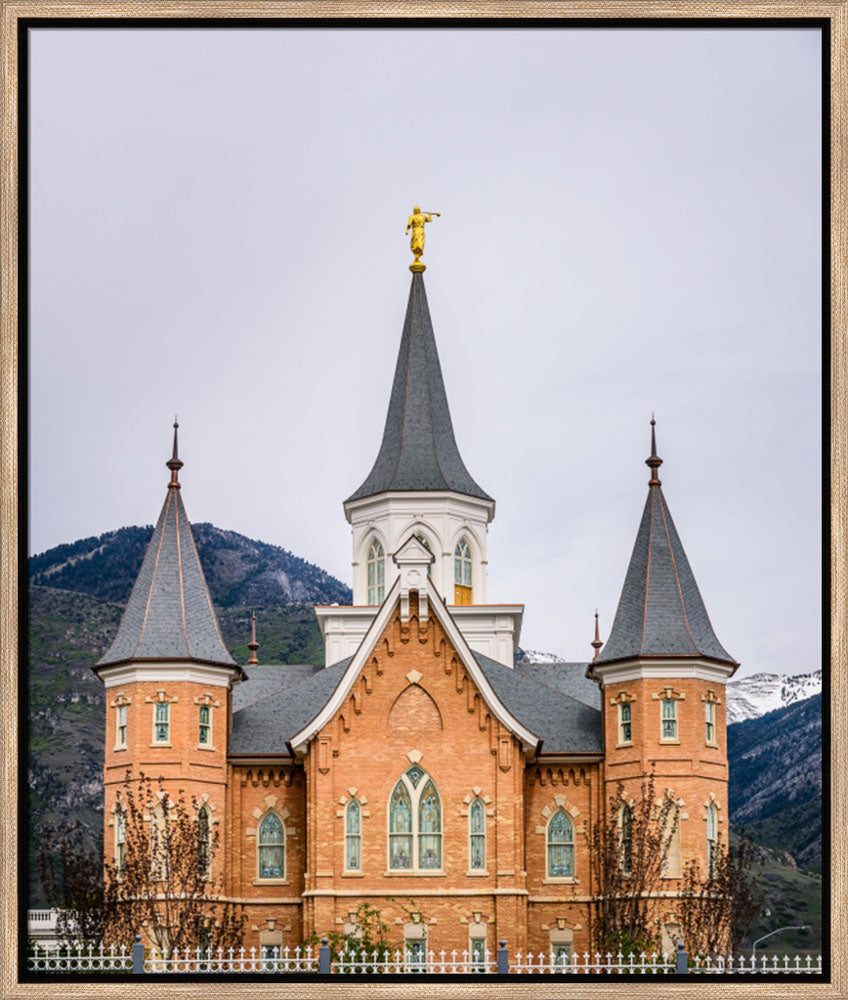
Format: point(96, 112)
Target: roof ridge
point(676, 574)
point(164, 520)
point(180, 565)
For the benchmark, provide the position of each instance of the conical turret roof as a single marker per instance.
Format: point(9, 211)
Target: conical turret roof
point(418, 451)
point(661, 611)
point(169, 615)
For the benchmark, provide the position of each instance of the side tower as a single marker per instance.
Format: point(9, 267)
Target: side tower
point(662, 674)
point(168, 678)
point(420, 486)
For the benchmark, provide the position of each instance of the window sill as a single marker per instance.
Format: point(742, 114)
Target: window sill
point(406, 872)
point(160, 745)
point(271, 881)
point(568, 880)
point(477, 873)
point(672, 877)
point(123, 746)
point(712, 746)
point(203, 746)
point(353, 874)
point(670, 743)
point(624, 746)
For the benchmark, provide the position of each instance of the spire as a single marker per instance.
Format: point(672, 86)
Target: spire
point(654, 461)
point(596, 644)
point(174, 463)
point(253, 645)
point(418, 451)
point(169, 615)
point(660, 611)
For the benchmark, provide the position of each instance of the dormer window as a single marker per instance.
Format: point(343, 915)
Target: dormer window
point(376, 573)
point(462, 572)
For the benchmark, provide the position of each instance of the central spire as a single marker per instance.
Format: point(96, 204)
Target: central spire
point(418, 451)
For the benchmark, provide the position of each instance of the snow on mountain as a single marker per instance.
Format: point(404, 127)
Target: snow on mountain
point(751, 697)
point(534, 656)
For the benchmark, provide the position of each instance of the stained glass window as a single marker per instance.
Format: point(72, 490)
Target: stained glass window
point(626, 830)
point(415, 774)
point(711, 838)
point(669, 719)
point(272, 847)
point(560, 846)
point(400, 828)
point(429, 828)
point(477, 831)
point(204, 844)
point(353, 837)
point(161, 722)
point(376, 573)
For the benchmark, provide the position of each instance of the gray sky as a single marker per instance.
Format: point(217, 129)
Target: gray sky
point(631, 222)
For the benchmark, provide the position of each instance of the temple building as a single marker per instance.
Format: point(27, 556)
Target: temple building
point(421, 770)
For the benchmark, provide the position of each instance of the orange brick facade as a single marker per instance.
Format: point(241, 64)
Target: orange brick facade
point(414, 702)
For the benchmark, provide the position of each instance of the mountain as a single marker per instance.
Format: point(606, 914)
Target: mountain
point(76, 597)
point(751, 697)
point(776, 782)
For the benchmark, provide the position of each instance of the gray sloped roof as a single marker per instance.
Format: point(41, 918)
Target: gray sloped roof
point(564, 724)
point(568, 678)
point(661, 611)
point(418, 451)
point(169, 615)
point(263, 725)
point(261, 681)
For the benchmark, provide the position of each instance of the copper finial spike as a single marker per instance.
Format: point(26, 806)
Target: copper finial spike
point(174, 463)
point(654, 462)
point(253, 645)
point(596, 644)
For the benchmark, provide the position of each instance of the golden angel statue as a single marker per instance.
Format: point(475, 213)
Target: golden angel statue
point(416, 242)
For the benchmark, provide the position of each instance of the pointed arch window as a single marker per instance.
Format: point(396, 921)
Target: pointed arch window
point(272, 847)
point(120, 842)
point(477, 835)
point(560, 845)
point(462, 572)
point(376, 573)
point(415, 823)
point(353, 837)
point(204, 842)
point(625, 828)
point(426, 544)
point(712, 838)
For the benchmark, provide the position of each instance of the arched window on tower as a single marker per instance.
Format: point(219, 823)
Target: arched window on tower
point(376, 573)
point(415, 823)
point(272, 847)
point(120, 842)
point(477, 835)
point(560, 846)
point(462, 572)
point(625, 832)
point(712, 838)
point(204, 842)
point(353, 837)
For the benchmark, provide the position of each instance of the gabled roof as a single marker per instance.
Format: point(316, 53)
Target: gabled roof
point(169, 615)
point(419, 451)
point(438, 610)
point(661, 611)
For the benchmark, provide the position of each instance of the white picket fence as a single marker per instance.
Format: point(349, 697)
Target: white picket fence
point(433, 963)
point(195, 960)
point(616, 964)
point(764, 965)
point(80, 958)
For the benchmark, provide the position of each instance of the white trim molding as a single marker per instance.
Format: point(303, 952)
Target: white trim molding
point(166, 671)
point(665, 669)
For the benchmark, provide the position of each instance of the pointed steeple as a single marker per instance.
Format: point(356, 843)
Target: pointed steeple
point(169, 615)
point(253, 645)
point(661, 611)
point(418, 451)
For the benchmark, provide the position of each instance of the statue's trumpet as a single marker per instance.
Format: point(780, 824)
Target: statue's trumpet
point(432, 213)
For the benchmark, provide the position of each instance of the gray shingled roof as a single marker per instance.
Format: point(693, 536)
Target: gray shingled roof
point(419, 451)
point(275, 703)
point(263, 724)
point(564, 724)
point(169, 615)
point(568, 678)
point(660, 612)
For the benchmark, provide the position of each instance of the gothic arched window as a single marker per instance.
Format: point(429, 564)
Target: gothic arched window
point(560, 846)
point(120, 841)
point(353, 837)
point(625, 829)
point(204, 842)
point(415, 823)
point(462, 572)
point(376, 573)
point(712, 838)
point(271, 843)
point(477, 835)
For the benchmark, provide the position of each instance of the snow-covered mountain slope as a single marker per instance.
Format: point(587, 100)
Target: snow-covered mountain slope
point(751, 697)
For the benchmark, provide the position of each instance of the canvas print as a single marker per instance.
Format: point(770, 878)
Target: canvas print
point(425, 492)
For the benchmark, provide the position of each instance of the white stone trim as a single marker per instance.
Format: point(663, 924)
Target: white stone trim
point(167, 672)
point(665, 669)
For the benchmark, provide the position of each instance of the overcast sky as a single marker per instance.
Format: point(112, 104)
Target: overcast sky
point(630, 222)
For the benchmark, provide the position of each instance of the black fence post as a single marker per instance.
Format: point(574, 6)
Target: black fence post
point(324, 958)
point(682, 960)
point(138, 956)
point(503, 959)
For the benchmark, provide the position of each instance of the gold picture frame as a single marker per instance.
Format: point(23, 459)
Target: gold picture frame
point(833, 11)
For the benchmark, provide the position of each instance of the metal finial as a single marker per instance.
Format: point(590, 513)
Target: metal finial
point(253, 645)
point(654, 462)
point(596, 644)
point(174, 463)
